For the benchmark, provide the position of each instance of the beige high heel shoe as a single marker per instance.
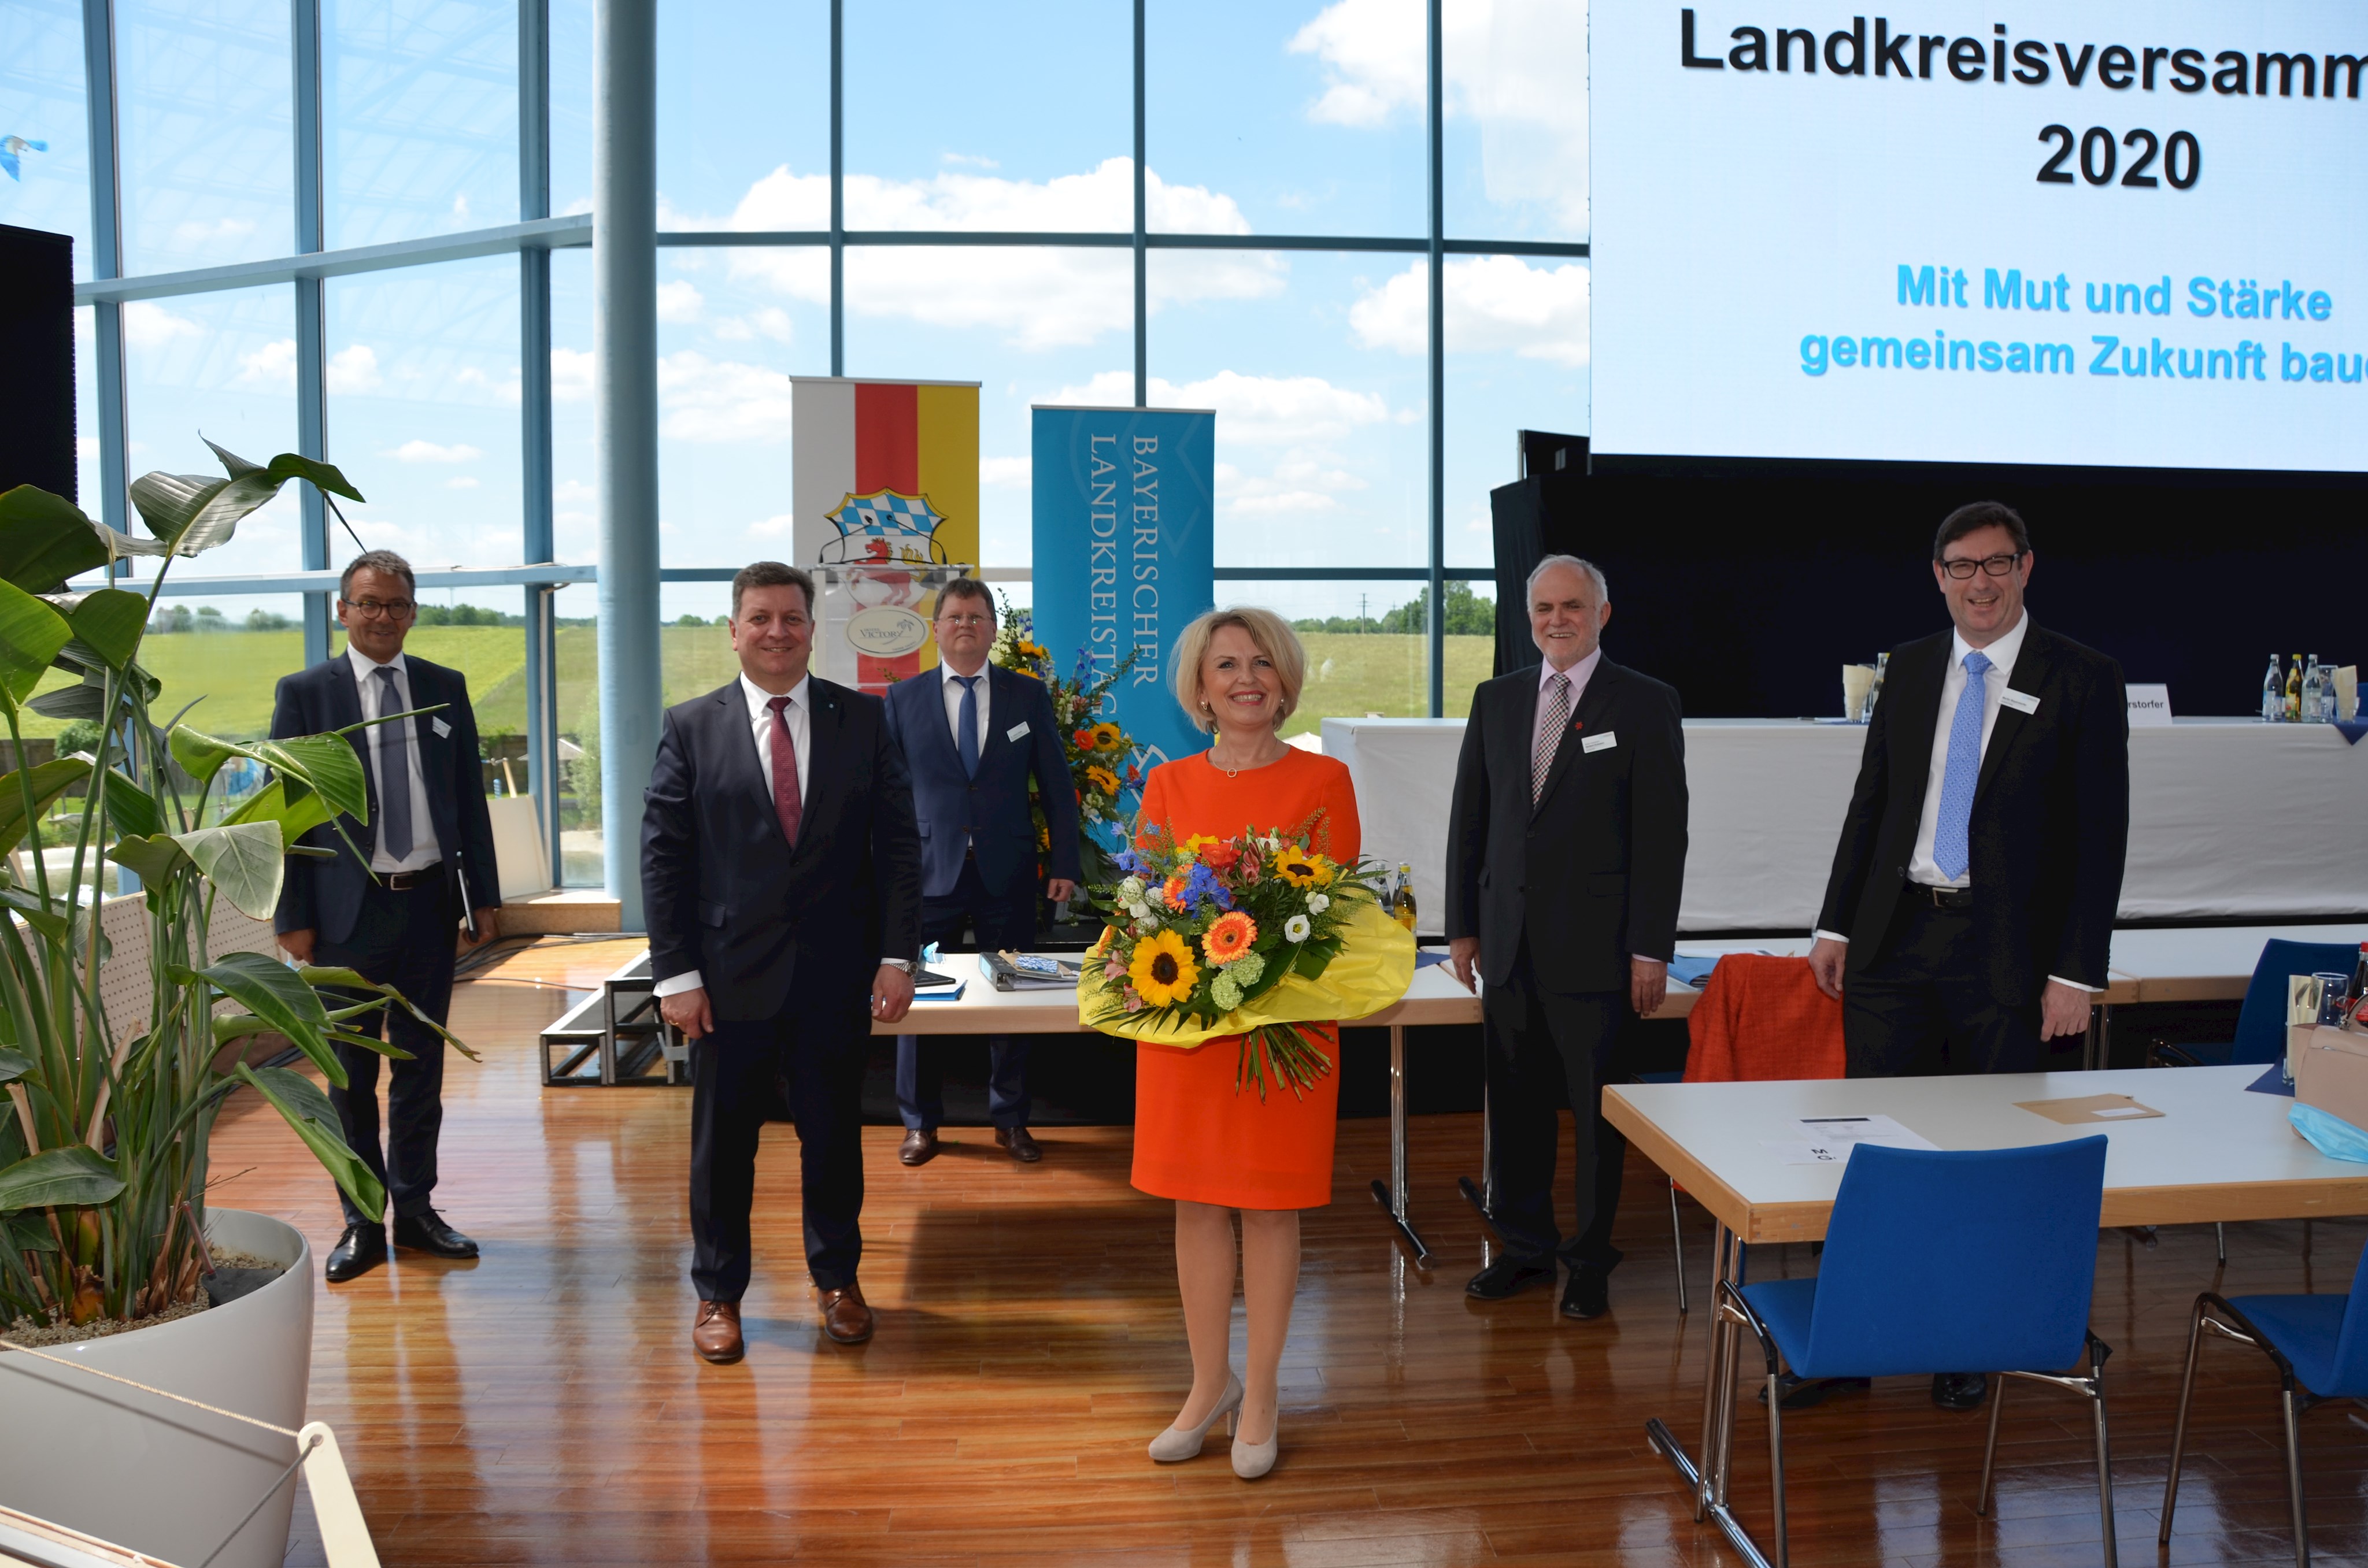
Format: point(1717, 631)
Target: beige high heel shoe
point(1179, 1443)
point(1254, 1460)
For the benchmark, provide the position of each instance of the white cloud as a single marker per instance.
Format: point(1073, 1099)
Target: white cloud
point(463, 482)
point(1494, 304)
point(460, 208)
point(273, 366)
point(971, 160)
point(147, 324)
point(711, 400)
point(354, 370)
point(574, 490)
point(1516, 68)
point(769, 321)
point(1035, 298)
point(779, 525)
point(198, 235)
point(1265, 411)
point(1012, 472)
point(507, 389)
point(417, 451)
point(571, 374)
point(678, 302)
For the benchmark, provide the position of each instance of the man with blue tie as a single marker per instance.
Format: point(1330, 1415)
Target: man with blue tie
point(974, 736)
point(1973, 891)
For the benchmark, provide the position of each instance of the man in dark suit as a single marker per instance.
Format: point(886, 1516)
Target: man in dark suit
point(1565, 857)
point(431, 843)
point(1973, 891)
point(974, 735)
point(781, 876)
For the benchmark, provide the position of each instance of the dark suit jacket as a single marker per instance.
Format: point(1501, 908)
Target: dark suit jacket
point(726, 894)
point(324, 896)
point(1593, 873)
point(2051, 817)
point(992, 808)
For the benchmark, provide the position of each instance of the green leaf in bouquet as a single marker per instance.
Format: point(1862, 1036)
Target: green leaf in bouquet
point(307, 1111)
point(242, 859)
point(273, 992)
point(150, 857)
point(76, 1174)
point(49, 780)
point(45, 538)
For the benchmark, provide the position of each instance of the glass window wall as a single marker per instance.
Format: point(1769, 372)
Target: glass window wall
point(45, 184)
point(419, 118)
point(207, 129)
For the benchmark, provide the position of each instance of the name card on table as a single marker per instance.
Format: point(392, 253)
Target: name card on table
point(2149, 706)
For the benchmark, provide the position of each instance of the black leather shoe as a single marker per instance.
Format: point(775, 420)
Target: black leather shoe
point(360, 1250)
point(920, 1147)
point(427, 1232)
point(1509, 1277)
point(1015, 1142)
point(1960, 1391)
point(1804, 1393)
point(1588, 1293)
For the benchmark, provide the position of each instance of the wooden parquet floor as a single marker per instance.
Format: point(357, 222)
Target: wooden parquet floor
point(543, 1405)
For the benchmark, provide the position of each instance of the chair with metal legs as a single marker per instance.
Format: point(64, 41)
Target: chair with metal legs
point(2319, 1347)
point(1936, 1262)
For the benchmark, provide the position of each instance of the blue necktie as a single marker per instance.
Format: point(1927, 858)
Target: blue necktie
point(966, 724)
point(1962, 774)
point(393, 770)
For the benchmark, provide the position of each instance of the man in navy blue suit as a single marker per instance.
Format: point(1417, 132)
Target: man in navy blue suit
point(974, 735)
point(431, 843)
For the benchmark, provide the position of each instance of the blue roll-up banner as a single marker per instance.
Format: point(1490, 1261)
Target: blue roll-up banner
point(1125, 557)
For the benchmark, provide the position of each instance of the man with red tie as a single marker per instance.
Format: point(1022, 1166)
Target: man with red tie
point(781, 879)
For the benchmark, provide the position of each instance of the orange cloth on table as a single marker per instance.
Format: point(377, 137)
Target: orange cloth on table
point(1761, 1017)
point(1195, 1138)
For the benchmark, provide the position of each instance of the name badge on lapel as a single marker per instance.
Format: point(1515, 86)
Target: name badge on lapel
point(2021, 702)
point(1603, 742)
point(1016, 730)
point(443, 730)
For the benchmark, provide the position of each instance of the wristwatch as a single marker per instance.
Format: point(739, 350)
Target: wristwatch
point(908, 965)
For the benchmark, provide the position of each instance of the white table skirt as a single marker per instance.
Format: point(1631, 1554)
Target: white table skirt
point(2229, 819)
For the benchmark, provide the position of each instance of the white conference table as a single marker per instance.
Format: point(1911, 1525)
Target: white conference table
point(2217, 1153)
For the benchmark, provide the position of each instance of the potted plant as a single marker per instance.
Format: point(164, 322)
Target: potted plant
point(103, 1131)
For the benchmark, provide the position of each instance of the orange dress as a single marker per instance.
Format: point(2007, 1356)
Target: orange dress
point(1194, 1136)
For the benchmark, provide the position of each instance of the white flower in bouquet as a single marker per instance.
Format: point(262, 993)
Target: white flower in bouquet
point(1295, 928)
point(1225, 992)
point(1139, 909)
point(1146, 925)
point(1318, 903)
point(1130, 891)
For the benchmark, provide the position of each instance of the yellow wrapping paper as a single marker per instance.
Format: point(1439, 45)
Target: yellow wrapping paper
point(1373, 969)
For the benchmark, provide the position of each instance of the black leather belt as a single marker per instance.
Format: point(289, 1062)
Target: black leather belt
point(404, 881)
point(1942, 898)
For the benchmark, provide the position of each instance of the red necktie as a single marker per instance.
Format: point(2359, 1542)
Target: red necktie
point(787, 802)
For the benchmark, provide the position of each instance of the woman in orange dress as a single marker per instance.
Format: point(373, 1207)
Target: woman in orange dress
point(1199, 1140)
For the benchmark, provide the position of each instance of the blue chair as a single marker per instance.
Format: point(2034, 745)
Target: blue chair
point(2261, 1022)
point(1938, 1262)
point(2319, 1346)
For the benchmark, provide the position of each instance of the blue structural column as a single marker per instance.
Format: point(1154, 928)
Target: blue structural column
point(311, 324)
point(1437, 628)
point(534, 420)
point(1141, 255)
point(106, 256)
point(625, 379)
point(838, 190)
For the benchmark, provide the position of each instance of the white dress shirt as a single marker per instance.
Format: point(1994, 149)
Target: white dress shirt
point(424, 851)
point(952, 687)
point(1922, 868)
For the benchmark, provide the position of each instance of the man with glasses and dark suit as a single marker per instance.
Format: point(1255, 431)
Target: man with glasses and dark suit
point(1973, 891)
point(976, 736)
point(430, 848)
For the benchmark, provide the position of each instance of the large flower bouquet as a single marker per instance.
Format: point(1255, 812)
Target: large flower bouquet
point(1256, 936)
point(1099, 753)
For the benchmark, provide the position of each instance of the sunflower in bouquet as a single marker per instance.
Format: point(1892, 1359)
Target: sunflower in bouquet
point(1259, 935)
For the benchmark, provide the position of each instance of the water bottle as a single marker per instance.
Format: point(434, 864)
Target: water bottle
point(2294, 691)
point(1874, 691)
point(2328, 706)
point(2313, 684)
point(2273, 695)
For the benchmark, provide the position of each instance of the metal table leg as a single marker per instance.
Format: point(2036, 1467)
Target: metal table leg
point(1392, 1195)
point(1481, 1194)
point(1708, 1478)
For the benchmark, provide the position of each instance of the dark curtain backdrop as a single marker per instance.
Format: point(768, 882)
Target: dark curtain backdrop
point(37, 402)
point(1747, 583)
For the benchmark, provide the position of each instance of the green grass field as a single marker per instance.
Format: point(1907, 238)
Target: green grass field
point(234, 672)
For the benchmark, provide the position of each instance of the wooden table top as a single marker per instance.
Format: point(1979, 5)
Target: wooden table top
point(2218, 1152)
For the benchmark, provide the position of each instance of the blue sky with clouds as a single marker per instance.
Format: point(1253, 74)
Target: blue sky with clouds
point(1302, 117)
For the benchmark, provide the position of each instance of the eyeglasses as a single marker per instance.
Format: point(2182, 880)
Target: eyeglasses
point(1995, 565)
point(971, 621)
point(394, 609)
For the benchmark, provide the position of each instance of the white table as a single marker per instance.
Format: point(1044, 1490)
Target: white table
point(2217, 1153)
point(2229, 819)
point(2210, 963)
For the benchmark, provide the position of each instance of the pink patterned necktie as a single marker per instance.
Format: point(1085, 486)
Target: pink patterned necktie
point(787, 802)
point(1557, 720)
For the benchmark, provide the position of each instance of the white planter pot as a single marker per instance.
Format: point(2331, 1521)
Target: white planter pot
point(152, 1474)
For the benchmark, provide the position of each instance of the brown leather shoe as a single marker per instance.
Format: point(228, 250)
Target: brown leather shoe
point(1019, 1144)
point(920, 1147)
point(715, 1333)
point(844, 1317)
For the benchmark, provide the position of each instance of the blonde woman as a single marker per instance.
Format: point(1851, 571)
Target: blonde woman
point(1237, 673)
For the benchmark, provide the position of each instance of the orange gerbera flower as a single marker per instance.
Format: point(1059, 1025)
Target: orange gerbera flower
point(1173, 891)
point(1229, 938)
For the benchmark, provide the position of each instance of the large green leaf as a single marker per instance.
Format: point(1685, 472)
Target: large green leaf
point(45, 538)
point(296, 818)
point(150, 857)
point(109, 622)
point(305, 1108)
point(76, 1174)
point(168, 503)
point(49, 780)
point(233, 464)
point(84, 699)
point(30, 635)
point(326, 763)
point(27, 1233)
point(242, 859)
point(46, 915)
point(326, 476)
point(352, 979)
point(272, 991)
point(13, 1066)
